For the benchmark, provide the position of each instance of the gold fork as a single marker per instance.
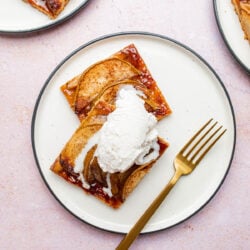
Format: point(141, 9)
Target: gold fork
point(185, 162)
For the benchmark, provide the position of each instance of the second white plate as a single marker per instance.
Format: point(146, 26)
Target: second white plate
point(230, 28)
point(17, 16)
point(194, 93)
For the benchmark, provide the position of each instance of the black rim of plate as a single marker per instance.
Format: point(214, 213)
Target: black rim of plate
point(48, 26)
point(129, 33)
point(217, 18)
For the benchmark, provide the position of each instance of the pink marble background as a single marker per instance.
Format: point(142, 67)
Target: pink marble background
point(30, 217)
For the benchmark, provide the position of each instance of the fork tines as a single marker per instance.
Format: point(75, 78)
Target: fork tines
point(203, 140)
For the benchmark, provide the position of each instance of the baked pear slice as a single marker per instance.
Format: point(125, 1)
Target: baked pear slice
point(97, 77)
point(83, 89)
point(120, 184)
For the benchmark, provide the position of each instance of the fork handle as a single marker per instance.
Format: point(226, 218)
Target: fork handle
point(136, 229)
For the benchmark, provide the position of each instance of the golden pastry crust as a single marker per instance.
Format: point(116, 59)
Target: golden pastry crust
point(242, 8)
point(52, 8)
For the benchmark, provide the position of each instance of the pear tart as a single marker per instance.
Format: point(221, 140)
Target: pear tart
point(52, 8)
point(92, 96)
point(127, 64)
point(242, 8)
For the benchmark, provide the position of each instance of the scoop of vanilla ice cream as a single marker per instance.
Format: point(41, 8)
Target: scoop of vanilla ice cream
point(129, 135)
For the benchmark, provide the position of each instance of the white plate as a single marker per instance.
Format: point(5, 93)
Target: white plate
point(17, 16)
point(195, 94)
point(230, 28)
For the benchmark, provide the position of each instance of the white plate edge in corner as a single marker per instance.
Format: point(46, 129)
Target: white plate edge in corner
point(23, 18)
point(232, 33)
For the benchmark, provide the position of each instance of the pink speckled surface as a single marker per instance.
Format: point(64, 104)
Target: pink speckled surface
point(30, 216)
